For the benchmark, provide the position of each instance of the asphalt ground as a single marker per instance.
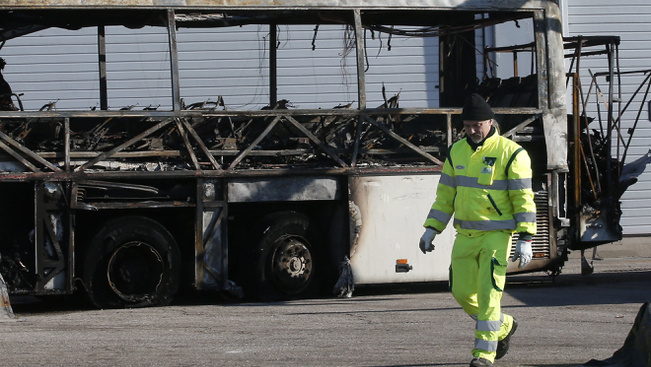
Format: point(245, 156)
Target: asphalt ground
point(564, 321)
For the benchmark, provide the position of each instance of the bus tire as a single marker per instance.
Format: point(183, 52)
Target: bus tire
point(286, 258)
point(132, 261)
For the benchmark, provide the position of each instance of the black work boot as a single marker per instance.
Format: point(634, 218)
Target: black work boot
point(503, 345)
point(481, 362)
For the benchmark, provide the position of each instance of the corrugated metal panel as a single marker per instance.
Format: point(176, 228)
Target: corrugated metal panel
point(43, 65)
point(308, 78)
point(138, 67)
point(62, 66)
point(225, 62)
point(228, 62)
point(628, 19)
point(323, 78)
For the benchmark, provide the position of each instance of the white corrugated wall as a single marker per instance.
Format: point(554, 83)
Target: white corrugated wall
point(45, 71)
point(60, 65)
point(628, 19)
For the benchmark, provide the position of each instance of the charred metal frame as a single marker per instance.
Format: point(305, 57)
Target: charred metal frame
point(226, 157)
point(599, 183)
point(78, 162)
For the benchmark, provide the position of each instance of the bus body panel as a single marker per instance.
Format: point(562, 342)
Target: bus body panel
point(393, 210)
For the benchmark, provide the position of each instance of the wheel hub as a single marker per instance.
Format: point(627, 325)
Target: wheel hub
point(296, 267)
point(292, 264)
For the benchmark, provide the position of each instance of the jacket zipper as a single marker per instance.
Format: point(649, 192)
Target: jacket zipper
point(494, 205)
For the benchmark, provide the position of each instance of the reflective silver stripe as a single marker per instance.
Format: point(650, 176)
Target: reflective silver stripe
point(487, 345)
point(474, 317)
point(439, 215)
point(502, 185)
point(471, 182)
point(520, 184)
point(486, 225)
point(485, 325)
point(525, 217)
point(448, 180)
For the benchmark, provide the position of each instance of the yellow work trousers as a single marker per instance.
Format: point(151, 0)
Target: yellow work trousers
point(477, 277)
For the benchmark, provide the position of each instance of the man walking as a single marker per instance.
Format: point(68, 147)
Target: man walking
point(486, 185)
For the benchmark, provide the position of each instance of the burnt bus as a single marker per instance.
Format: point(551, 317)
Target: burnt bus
point(131, 202)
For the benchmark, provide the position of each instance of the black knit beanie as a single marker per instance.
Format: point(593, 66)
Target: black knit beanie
point(476, 109)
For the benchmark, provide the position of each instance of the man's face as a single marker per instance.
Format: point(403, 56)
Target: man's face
point(477, 131)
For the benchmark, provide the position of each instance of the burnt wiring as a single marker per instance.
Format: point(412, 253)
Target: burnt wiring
point(437, 31)
point(368, 64)
point(316, 31)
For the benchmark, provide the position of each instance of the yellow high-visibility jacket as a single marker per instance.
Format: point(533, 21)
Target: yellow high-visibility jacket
point(485, 189)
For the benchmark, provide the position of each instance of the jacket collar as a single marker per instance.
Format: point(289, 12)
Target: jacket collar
point(474, 145)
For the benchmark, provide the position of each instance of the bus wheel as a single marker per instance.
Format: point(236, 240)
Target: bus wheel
point(286, 259)
point(132, 262)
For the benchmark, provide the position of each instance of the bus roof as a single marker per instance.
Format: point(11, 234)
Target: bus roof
point(488, 5)
point(20, 17)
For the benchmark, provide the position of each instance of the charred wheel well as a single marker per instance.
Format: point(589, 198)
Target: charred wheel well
point(327, 217)
point(178, 221)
